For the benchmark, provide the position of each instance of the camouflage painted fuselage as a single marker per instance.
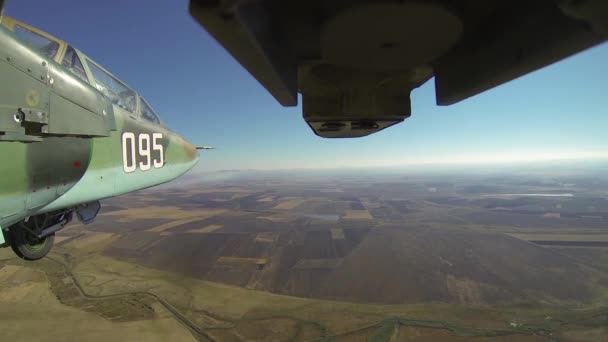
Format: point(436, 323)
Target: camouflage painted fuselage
point(63, 143)
point(62, 172)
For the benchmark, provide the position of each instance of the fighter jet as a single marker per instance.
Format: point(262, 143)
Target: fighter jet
point(71, 133)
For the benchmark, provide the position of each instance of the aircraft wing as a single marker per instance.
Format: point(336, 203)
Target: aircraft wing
point(355, 62)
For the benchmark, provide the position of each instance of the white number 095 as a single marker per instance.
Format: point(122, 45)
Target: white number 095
point(132, 148)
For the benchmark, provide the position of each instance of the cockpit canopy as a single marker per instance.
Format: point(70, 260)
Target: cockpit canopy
point(112, 88)
point(84, 68)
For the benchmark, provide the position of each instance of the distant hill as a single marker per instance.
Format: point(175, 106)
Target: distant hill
point(388, 265)
point(392, 265)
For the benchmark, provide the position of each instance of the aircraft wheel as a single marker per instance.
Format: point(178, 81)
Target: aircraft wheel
point(29, 247)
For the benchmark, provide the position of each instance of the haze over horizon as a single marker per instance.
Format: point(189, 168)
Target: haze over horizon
point(524, 159)
point(201, 92)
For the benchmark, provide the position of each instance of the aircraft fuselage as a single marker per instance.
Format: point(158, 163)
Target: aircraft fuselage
point(71, 134)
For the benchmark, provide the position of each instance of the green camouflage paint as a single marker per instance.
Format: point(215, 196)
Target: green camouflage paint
point(69, 148)
point(106, 176)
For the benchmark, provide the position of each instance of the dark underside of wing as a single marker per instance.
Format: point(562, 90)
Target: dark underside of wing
point(356, 62)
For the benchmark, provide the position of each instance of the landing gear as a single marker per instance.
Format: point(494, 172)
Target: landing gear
point(33, 238)
point(29, 247)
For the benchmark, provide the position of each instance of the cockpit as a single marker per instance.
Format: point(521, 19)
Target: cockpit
point(36, 41)
point(112, 88)
point(85, 69)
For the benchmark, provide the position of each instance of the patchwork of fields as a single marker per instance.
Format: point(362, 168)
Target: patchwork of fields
point(370, 257)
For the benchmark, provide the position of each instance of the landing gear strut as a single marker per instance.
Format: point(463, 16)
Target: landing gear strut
point(33, 238)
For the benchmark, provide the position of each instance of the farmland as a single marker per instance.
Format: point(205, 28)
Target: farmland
point(374, 256)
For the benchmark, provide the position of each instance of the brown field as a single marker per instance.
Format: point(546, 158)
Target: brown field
point(288, 204)
point(93, 240)
point(237, 190)
point(429, 334)
point(205, 230)
point(152, 212)
point(589, 256)
point(562, 237)
point(60, 239)
point(357, 215)
point(308, 264)
point(267, 237)
point(164, 212)
point(235, 260)
point(337, 234)
point(166, 226)
point(267, 329)
point(266, 199)
point(276, 218)
point(139, 241)
point(580, 334)
point(466, 290)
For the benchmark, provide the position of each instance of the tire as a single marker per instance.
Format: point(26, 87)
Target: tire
point(27, 246)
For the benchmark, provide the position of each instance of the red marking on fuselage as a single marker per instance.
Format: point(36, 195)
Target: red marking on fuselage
point(76, 164)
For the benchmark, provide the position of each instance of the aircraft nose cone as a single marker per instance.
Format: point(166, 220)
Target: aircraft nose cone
point(190, 150)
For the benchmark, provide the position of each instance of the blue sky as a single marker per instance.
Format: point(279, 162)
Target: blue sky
point(201, 92)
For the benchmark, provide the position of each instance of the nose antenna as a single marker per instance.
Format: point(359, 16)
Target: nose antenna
point(199, 147)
